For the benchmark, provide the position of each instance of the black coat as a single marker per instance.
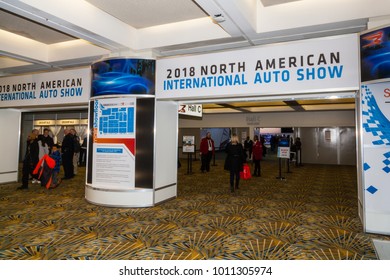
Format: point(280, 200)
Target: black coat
point(236, 157)
point(68, 144)
point(32, 151)
point(46, 140)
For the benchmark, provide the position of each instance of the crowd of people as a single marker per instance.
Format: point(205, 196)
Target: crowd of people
point(237, 155)
point(40, 147)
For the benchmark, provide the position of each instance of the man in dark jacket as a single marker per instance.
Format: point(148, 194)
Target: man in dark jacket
point(30, 159)
point(207, 150)
point(67, 154)
point(46, 139)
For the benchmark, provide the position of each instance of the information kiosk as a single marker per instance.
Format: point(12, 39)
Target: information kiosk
point(123, 150)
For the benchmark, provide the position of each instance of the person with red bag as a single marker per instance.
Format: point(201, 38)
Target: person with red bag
point(257, 152)
point(234, 162)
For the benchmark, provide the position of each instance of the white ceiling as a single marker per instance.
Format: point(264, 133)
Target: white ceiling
point(46, 35)
point(41, 35)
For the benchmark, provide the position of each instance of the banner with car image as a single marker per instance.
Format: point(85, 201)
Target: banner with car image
point(123, 76)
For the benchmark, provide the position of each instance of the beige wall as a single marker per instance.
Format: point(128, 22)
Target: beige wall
point(279, 119)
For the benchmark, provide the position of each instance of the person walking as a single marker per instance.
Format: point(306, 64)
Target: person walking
point(257, 156)
point(83, 152)
point(234, 162)
point(248, 146)
point(76, 150)
point(56, 155)
point(207, 150)
point(298, 148)
point(31, 159)
point(67, 154)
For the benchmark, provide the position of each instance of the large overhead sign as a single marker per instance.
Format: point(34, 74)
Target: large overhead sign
point(53, 88)
point(315, 65)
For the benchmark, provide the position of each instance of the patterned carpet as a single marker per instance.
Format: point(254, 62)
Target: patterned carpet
point(310, 215)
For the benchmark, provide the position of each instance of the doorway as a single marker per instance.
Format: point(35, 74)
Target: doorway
point(56, 122)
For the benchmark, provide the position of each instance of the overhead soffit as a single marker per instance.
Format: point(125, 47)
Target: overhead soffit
point(280, 106)
point(30, 29)
point(267, 3)
point(147, 13)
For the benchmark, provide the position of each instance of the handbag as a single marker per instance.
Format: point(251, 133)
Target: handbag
point(245, 174)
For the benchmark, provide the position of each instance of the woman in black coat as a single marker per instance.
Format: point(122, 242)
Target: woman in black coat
point(234, 161)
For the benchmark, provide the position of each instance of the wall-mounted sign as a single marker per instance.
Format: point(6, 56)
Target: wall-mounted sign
point(253, 120)
point(44, 122)
point(195, 110)
point(68, 122)
point(314, 65)
point(61, 122)
point(328, 135)
point(53, 88)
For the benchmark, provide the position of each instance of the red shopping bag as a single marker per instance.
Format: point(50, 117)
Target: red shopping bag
point(246, 173)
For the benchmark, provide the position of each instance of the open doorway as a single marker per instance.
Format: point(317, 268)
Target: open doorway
point(326, 125)
point(56, 122)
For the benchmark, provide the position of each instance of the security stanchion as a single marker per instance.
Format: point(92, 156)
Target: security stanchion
point(288, 166)
point(280, 177)
point(189, 164)
point(214, 160)
point(299, 158)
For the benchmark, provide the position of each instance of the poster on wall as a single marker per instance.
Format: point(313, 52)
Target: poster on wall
point(114, 143)
point(375, 55)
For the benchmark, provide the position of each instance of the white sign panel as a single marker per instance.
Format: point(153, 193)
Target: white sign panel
point(53, 88)
point(194, 110)
point(283, 152)
point(188, 144)
point(114, 143)
point(316, 65)
point(376, 113)
point(376, 138)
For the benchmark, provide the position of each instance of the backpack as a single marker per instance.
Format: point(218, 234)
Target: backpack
point(44, 169)
point(76, 144)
